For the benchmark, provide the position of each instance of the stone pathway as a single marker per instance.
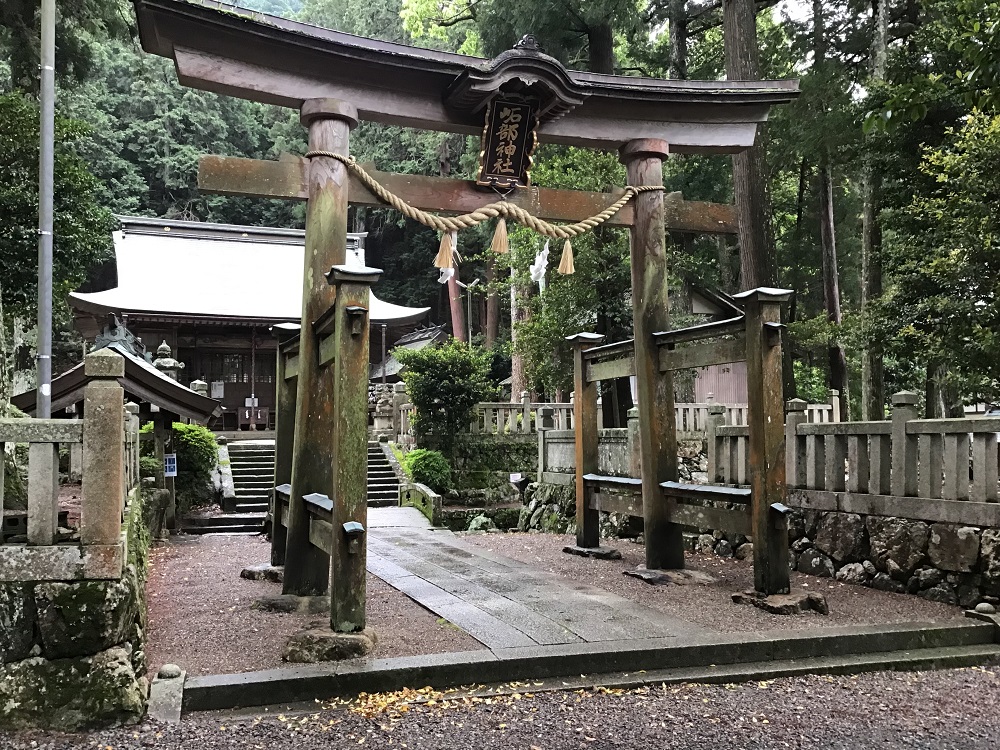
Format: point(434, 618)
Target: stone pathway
point(498, 601)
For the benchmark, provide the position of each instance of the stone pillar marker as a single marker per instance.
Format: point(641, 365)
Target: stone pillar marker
point(643, 161)
point(329, 122)
point(903, 481)
point(103, 449)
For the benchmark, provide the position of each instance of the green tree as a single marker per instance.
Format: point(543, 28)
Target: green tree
point(944, 249)
point(444, 383)
point(82, 226)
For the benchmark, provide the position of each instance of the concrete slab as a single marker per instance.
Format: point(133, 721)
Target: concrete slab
point(497, 596)
point(394, 517)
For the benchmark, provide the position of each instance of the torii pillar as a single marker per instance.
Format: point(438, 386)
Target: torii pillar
point(329, 122)
point(643, 160)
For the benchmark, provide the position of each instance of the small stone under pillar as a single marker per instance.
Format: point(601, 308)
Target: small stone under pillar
point(677, 577)
point(323, 644)
point(792, 603)
point(601, 553)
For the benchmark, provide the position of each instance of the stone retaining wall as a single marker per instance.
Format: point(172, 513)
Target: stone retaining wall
point(72, 652)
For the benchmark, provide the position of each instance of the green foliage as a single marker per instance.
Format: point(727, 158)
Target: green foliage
point(428, 467)
point(444, 383)
point(82, 225)
point(149, 466)
point(943, 304)
point(810, 382)
point(197, 455)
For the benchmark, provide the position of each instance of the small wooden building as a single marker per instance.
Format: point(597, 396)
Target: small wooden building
point(212, 292)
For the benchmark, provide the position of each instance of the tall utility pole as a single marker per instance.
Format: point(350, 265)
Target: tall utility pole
point(45, 188)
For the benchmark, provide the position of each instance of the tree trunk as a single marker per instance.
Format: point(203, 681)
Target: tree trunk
point(872, 380)
point(678, 22)
point(456, 301)
point(750, 174)
point(601, 48)
point(5, 393)
point(831, 283)
point(492, 305)
point(519, 312)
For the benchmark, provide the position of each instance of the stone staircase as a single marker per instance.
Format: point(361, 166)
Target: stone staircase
point(383, 486)
point(252, 466)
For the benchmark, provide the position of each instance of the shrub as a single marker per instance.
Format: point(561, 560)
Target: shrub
point(444, 383)
point(428, 467)
point(197, 456)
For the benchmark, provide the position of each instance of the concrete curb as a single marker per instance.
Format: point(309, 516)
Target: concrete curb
point(726, 655)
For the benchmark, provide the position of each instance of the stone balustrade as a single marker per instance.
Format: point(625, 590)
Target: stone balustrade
point(522, 417)
point(107, 442)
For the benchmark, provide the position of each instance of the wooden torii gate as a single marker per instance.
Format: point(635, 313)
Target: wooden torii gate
point(337, 79)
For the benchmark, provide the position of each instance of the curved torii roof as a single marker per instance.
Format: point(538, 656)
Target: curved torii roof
point(229, 50)
point(217, 272)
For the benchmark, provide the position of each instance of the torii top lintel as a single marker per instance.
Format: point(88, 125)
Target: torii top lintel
point(263, 58)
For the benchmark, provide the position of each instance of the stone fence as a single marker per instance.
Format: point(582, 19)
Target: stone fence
point(72, 601)
point(904, 504)
point(524, 416)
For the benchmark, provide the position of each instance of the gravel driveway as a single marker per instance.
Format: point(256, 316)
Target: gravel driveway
point(950, 709)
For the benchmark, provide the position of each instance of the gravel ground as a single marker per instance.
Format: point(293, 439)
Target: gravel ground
point(948, 709)
point(200, 613)
point(711, 605)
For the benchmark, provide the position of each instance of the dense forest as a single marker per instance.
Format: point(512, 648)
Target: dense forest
point(873, 196)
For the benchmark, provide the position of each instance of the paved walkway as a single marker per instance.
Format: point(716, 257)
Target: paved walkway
point(498, 601)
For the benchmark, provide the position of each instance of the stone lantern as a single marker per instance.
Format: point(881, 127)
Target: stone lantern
point(167, 364)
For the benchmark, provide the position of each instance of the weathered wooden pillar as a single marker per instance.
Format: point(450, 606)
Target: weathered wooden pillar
point(765, 420)
point(284, 434)
point(329, 122)
point(643, 161)
point(103, 449)
point(588, 533)
point(350, 446)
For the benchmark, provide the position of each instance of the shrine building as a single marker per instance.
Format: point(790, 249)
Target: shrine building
point(212, 292)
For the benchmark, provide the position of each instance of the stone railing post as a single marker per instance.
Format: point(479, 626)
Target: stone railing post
point(525, 412)
point(903, 481)
point(632, 444)
point(795, 458)
point(716, 419)
point(544, 424)
point(103, 449)
point(834, 395)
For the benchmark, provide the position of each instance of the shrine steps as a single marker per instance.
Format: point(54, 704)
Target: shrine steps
point(383, 485)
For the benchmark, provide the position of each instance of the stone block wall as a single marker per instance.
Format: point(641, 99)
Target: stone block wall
point(72, 652)
point(938, 561)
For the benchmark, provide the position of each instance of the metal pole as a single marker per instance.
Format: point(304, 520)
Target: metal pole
point(43, 408)
point(468, 298)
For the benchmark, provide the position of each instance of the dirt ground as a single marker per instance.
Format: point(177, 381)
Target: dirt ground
point(710, 605)
point(201, 615)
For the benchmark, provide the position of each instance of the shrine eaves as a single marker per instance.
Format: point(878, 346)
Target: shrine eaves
point(254, 56)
